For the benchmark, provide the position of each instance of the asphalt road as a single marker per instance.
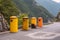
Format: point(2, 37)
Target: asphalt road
point(48, 32)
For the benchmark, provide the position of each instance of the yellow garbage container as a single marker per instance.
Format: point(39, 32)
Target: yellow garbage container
point(13, 24)
point(33, 22)
point(40, 22)
point(25, 23)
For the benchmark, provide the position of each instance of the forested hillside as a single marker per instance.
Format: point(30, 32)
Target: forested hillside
point(51, 5)
point(30, 7)
point(14, 7)
point(8, 8)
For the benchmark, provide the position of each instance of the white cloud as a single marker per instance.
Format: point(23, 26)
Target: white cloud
point(58, 1)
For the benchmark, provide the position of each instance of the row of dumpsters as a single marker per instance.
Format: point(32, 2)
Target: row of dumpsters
point(25, 26)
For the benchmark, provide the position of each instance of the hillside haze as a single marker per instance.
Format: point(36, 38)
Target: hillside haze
point(30, 7)
point(50, 5)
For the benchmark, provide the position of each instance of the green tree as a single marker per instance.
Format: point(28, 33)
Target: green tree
point(21, 18)
point(8, 8)
point(58, 17)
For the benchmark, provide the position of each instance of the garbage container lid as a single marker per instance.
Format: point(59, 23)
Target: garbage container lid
point(39, 17)
point(25, 17)
point(13, 17)
point(33, 17)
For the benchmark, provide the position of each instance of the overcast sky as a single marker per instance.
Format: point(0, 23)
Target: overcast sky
point(58, 1)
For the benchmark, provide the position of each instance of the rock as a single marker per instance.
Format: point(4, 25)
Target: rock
point(3, 24)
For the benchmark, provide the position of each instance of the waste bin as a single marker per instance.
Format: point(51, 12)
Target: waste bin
point(33, 22)
point(40, 22)
point(25, 23)
point(13, 24)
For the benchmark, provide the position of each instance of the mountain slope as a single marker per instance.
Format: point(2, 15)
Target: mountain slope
point(8, 8)
point(50, 5)
point(30, 7)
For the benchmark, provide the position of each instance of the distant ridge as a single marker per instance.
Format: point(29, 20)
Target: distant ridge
point(30, 7)
point(50, 5)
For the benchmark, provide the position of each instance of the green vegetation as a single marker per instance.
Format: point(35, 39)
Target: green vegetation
point(23, 7)
point(31, 7)
point(21, 18)
point(58, 17)
point(8, 8)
